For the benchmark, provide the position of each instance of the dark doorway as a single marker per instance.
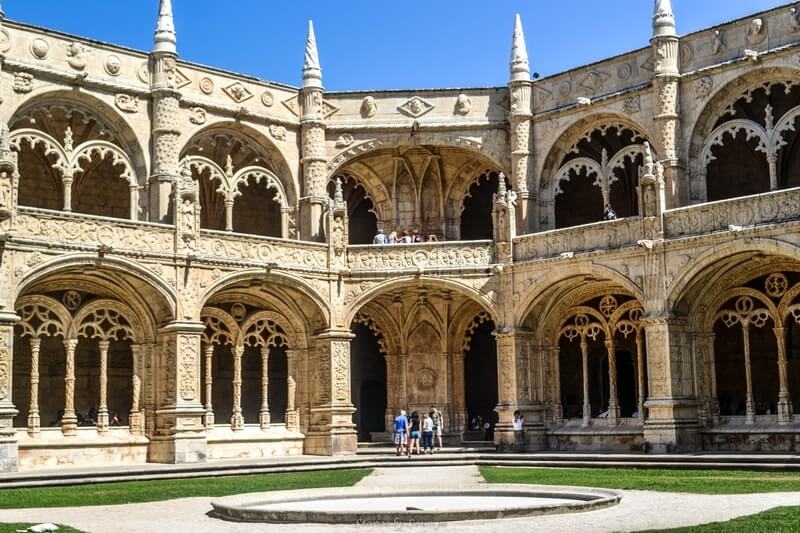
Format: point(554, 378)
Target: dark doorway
point(480, 374)
point(476, 218)
point(363, 224)
point(368, 383)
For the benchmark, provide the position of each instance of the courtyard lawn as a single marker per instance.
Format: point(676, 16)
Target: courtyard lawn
point(696, 481)
point(170, 489)
point(778, 520)
point(13, 528)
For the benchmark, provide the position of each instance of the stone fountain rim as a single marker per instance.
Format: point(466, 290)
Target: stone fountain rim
point(239, 509)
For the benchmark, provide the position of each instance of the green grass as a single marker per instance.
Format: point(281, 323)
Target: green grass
point(151, 491)
point(778, 520)
point(696, 481)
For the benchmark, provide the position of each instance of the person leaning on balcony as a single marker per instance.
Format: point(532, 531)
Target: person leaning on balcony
point(610, 214)
point(392, 238)
point(379, 238)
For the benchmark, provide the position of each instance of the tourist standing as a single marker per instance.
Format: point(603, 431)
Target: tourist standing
point(401, 432)
point(392, 239)
point(379, 238)
point(427, 433)
point(519, 426)
point(436, 418)
point(415, 429)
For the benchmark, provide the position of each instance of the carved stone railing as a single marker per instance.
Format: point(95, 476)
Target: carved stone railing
point(424, 255)
point(71, 229)
point(604, 235)
point(223, 245)
point(767, 208)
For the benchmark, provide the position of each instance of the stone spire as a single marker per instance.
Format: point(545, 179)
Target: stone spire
point(520, 68)
point(663, 19)
point(312, 72)
point(165, 39)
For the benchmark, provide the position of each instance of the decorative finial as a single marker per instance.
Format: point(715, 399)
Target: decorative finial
point(520, 68)
point(338, 195)
point(663, 19)
point(502, 191)
point(649, 165)
point(312, 72)
point(165, 41)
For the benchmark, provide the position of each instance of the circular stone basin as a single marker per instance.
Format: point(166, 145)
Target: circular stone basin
point(359, 506)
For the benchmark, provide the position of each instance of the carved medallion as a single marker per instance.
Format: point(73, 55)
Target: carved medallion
point(278, 132)
point(198, 116)
point(113, 65)
point(238, 92)
point(207, 86)
point(267, 99)
point(344, 140)
point(23, 82)
point(416, 107)
point(127, 103)
point(40, 48)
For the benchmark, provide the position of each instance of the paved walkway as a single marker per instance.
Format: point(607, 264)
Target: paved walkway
point(639, 510)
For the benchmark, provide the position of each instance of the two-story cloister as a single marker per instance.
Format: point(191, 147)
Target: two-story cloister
point(187, 267)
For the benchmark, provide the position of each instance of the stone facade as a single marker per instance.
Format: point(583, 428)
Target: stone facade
point(187, 271)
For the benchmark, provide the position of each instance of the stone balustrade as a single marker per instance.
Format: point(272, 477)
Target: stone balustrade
point(423, 255)
point(767, 208)
point(224, 245)
point(73, 229)
point(610, 234)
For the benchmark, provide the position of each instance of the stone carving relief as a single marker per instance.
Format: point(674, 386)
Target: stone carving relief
point(632, 104)
point(717, 42)
point(443, 256)
point(369, 108)
point(189, 361)
point(594, 81)
point(426, 379)
point(206, 85)
point(113, 65)
point(463, 105)
point(197, 115)
point(5, 41)
point(40, 48)
point(23, 82)
point(238, 92)
point(5, 367)
point(267, 99)
point(687, 55)
point(625, 71)
point(794, 18)
point(703, 87)
point(756, 31)
point(127, 103)
point(341, 365)
point(357, 291)
point(77, 55)
point(415, 107)
point(278, 132)
point(344, 140)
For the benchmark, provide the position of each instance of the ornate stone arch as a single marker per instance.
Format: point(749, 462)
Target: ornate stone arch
point(221, 328)
point(42, 316)
point(106, 319)
point(705, 134)
point(374, 189)
point(554, 166)
point(266, 329)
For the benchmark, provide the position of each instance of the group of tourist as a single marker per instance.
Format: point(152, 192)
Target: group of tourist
point(87, 420)
point(410, 429)
point(406, 237)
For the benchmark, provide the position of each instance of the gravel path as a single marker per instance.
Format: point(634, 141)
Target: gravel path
point(639, 510)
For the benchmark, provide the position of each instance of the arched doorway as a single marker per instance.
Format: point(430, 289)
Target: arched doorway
point(363, 224)
point(476, 218)
point(368, 383)
point(480, 380)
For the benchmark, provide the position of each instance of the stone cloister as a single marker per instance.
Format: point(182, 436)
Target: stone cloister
point(187, 270)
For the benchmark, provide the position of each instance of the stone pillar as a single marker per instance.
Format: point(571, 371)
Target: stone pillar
point(136, 417)
point(314, 162)
point(459, 391)
point(666, 81)
point(391, 393)
point(237, 420)
point(672, 423)
point(332, 431)
point(263, 415)
point(521, 121)
point(587, 408)
point(179, 435)
point(402, 377)
point(749, 402)
point(102, 410)
point(165, 132)
point(34, 421)
point(640, 386)
point(551, 355)
point(292, 417)
point(706, 344)
point(8, 435)
point(66, 184)
point(229, 213)
point(504, 436)
point(784, 399)
point(613, 399)
point(532, 389)
point(209, 383)
point(69, 422)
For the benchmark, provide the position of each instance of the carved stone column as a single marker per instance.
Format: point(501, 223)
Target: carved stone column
point(69, 422)
point(332, 431)
point(8, 435)
point(102, 410)
point(640, 385)
point(292, 415)
point(179, 434)
point(402, 378)
point(459, 391)
point(209, 383)
point(613, 399)
point(391, 392)
point(229, 213)
point(136, 417)
point(672, 423)
point(784, 399)
point(166, 132)
point(263, 415)
point(314, 161)
point(706, 343)
point(504, 436)
point(521, 121)
point(587, 407)
point(34, 421)
point(553, 385)
point(237, 420)
point(666, 78)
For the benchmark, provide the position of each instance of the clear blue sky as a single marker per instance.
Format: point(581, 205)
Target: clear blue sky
point(382, 44)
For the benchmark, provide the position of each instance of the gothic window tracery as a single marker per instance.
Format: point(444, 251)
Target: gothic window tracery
point(362, 218)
